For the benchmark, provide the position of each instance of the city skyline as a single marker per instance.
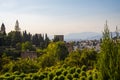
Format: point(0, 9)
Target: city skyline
point(60, 16)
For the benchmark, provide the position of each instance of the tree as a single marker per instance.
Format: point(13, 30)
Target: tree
point(26, 36)
point(47, 40)
point(35, 40)
point(28, 46)
point(58, 49)
point(108, 62)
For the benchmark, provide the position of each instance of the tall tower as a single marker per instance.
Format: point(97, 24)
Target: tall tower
point(17, 26)
point(3, 29)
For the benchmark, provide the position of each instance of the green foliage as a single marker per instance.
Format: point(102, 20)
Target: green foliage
point(83, 68)
point(78, 70)
point(65, 72)
point(76, 75)
point(7, 74)
point(16, 73)
point(58, 50)
point(50, 75)
point(47, 60)
point(109, 63)
point(61, 77)
point(83, 73)
point(55, 78)
point(95, 75)
point(59, 72)
point(35, 77)
point(90, 77)
point(69, 76)
point(41, 76)
point(83, 78)
point(27, 46)
point(72, 70)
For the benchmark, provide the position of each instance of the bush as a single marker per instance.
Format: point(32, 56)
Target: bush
point(41, 76)
point(72, 70)
point(26, 78)
point(59, 72)
point(90, 77)
point(64, 66)
point(83, 73)
point(55, 78)
point(65, 72)
point(76, 75)
point(69, 76)
point(2, 77)
point(50, 76)
point(83, 78)
point(35, 77)
point(18, 78)
point(7, 74)
point(78, 70)
point(61, 77)
point(45, 74)
point(95, 75)
point(22, 75)
point(16, 73)
point(83, 68)
point(9, 78)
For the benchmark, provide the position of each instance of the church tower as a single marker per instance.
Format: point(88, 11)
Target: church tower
point(3, 29)
point(17, 26)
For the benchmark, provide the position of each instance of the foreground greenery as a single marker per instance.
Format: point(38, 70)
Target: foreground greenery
point(56, 63)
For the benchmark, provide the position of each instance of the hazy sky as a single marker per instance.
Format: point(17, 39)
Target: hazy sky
point(60, 16)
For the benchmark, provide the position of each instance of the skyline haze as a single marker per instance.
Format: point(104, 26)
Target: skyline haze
point(60, 16)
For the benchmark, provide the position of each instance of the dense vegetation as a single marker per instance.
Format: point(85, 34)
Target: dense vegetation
point(55, 62)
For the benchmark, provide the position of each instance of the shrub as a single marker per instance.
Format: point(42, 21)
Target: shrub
point(76, 75)
point(35, 76)
point(72, 70)
point(7, 74)
point(16, 73)
point(30, 74)
point(55, 78)
point(50, 76)
point(61, 77)
point(65, 72)
point(75, 79)
point(2, 77)
point(45, 74)
point(9, 78)
point(22, 75)
point(26, 78)
point(59, 72)
point(64, 66)
point(69, 76)
point(83, 78)
point(18, 78)
point(90, 77)
point(89, 72)
point(41, 76)
point(83, 68)
point(95, 75)
point(83, 73)
point(78, 70)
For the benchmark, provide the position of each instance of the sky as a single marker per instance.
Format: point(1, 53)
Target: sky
point(60, 16)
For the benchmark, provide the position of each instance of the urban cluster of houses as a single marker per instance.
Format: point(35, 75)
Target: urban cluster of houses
point(89, 44)
point(72, 46)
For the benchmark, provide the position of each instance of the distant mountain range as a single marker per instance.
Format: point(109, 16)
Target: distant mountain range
point(83, 36)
